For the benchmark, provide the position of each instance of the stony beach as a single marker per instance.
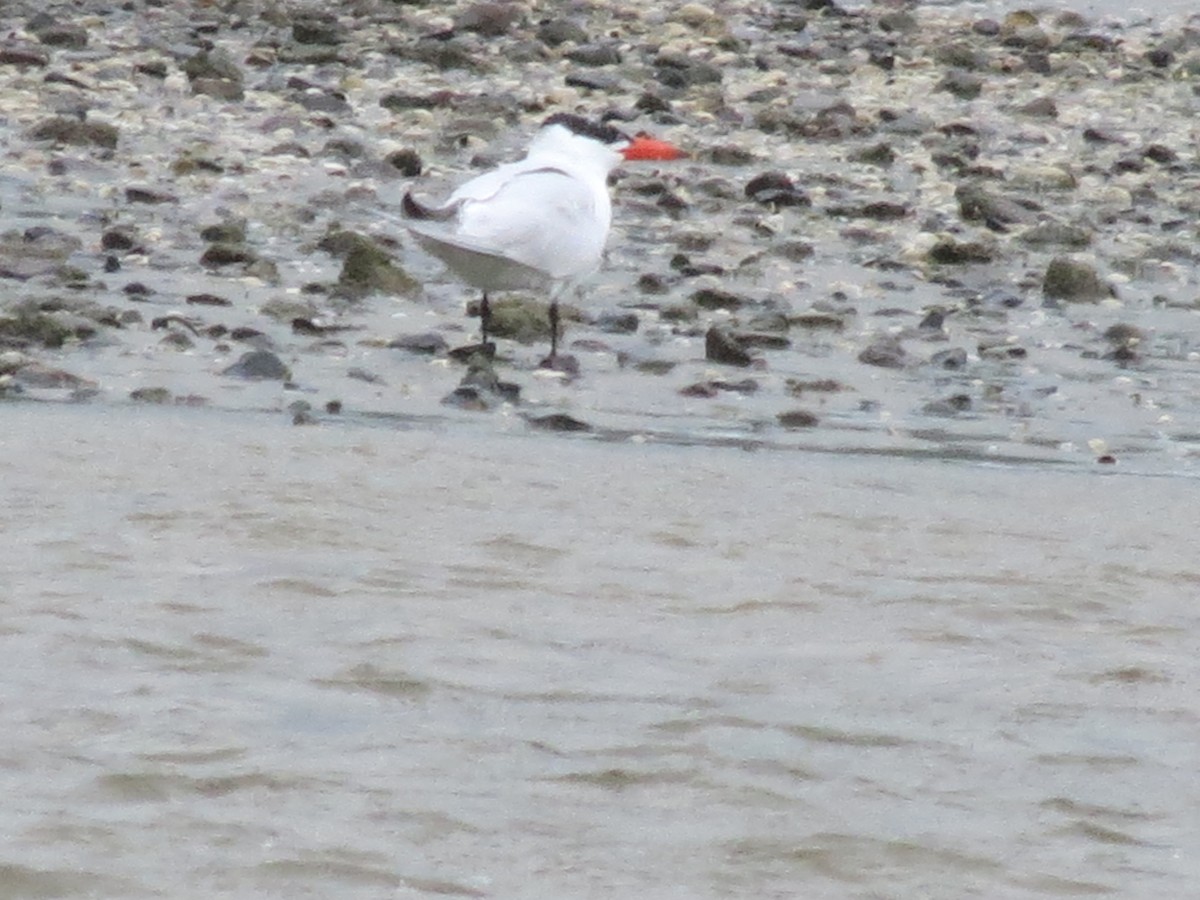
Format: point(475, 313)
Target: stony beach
point(900, 229)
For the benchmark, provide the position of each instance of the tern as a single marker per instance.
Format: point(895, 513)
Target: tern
point(540, 223)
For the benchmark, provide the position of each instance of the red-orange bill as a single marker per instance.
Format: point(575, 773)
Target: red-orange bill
point(645, 147)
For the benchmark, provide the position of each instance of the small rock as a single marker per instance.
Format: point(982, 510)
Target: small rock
point(1074, 281)
point(23, 55)
point(715, 298)
point(489, 19)
point(119, 238)
point(1056, 234)
point(797, 418)
point(949, 406)
point(962, 84)
point(429, 342)
point(775, 189)
point(949, 251)
point(554, 32)
point(64, 130)
point(407, 162)
point(219, 255)
point(151, 395)
point(207, 300)
point(559, 422)
point(367, 268)
point(886, 352)
point(37, 375)
point(595, 54)
point(617, 323)
point(722, 347)
point(259, 365)
point(953, 359)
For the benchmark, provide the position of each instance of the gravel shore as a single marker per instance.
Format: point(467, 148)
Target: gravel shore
point(900, 229)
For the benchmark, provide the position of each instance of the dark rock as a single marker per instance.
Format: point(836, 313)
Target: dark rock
point(962, 84)
point(219, 88)
point(976, 203)
point(177, 340)
point(215, 65)
point(219, 255)
point(1160, 154)
point(119, 238)
point(650, 283)
point(1001, 349)
point(729, 155)
point(367, 267)
point(345, 148)
point(763, 341)
point(155, 68)
point(949, 251)
point(675, 70)
point(522, 319)
point(407, 162)
point(797, 418)
point(230, 232)
point(63, 34)
point(1040, 107)
point(722, 347)
point(554, 32)
point(704, 390)
point(429, 342)
point(359, 374)
point(885, 352)
point(1056, 234)
point(775, 189)
point(715, 298)
point(37, 375)
point(1074, 281)
point(599, 54)
point(593, 81)
point(949, 406)
point(23, 55)
point(617, 323)
point(64, 130)
point(953, 359)
point(314, 28)
point(151, 395)
point(960, 55)
point(796, 251)
point(799, 388)
point(880, 210)
point(559, 422)
point(139, 194)
point(875, 155)
point(208, 300)
point(489, 19)
point(259, 365)
point(818, 321)
point(399, 101)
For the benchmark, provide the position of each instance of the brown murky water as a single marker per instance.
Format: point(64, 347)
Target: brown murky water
point(362, 660)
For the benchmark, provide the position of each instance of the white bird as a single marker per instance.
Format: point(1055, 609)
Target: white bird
point(540, 223)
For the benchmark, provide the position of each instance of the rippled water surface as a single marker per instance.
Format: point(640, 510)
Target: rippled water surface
point(367, 660)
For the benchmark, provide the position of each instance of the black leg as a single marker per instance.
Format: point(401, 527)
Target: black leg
point(485, 319)
point(553, 329)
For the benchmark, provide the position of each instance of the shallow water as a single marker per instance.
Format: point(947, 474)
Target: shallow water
point(370, 659)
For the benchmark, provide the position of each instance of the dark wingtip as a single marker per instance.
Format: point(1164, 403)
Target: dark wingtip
point(412, 209)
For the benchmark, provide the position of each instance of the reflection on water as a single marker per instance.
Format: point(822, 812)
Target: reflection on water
point(362, 660)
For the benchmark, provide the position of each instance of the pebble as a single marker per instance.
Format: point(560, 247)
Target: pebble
point(259, 365)
point(720, 346)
